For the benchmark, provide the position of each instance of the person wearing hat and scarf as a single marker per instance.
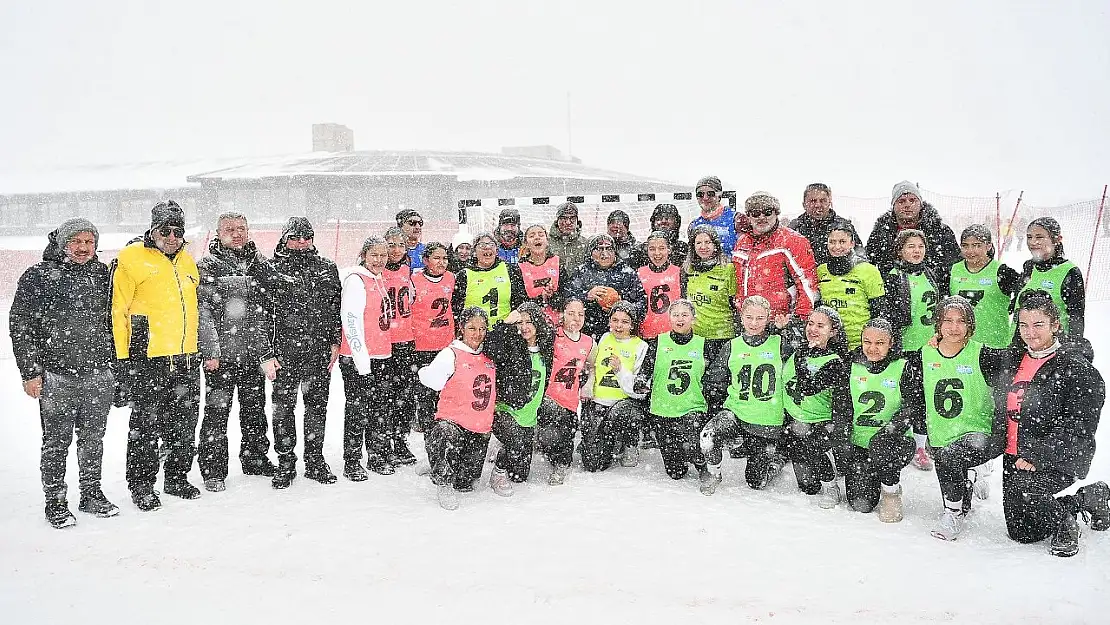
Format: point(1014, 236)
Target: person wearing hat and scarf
point(508, 235)
point(237, 286)
point(155, 325)
point(62, 342)
point(1049, 270)
point(596, 282)
point(306, 342)
point(715, 213)
point(909, 212)
point(618, 224)
point(566, 240)
point(666, 219)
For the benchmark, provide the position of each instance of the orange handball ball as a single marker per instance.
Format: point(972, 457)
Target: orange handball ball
point(609, 298)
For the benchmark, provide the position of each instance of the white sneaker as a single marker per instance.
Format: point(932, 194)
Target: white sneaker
point(447, 497)
point(949, 525)
point(829, 495)
point(500, 483)
point(709, 479)
point(889, 509)
point(980, 482)
point(630, 457)
point(558, 475)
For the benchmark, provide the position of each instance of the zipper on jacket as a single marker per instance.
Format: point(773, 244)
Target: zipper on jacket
point(181, 298)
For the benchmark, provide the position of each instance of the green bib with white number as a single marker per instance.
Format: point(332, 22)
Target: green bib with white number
point(992, 306)
point(876, 398)
point(807, 408)
point(1051, 281)
point(755, 388)
point(676, 381)
point(957, 397)
point(529, 414)
point(489, 290)
point(923, 305)
point(605, 380)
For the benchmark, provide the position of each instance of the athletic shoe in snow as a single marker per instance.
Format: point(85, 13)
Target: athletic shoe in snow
point(921, 460)
point(1065, 540)
point(558, 475)
point(353, 471)
point(145, 499)
point(980, 482)
point(423, 468)
point(447, 497)
point(949, 525)
point(889, 509)
point(214, 485)
point(380, 465)
point(58, 514)
point(259, 467)
point(182, 489)
point(401, 453)
point(94, 502)
point(709, 479)
point(320, 472)
point(829, 495)
point(1093, 503)
point(500, 483)
point(630, 457)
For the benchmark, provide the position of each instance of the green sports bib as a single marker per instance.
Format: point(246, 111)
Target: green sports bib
point(958, 399)
point(676, 382)
point(755, 388)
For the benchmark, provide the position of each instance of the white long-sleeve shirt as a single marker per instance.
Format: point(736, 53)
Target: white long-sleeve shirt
point(442, 367)
point(351, 310)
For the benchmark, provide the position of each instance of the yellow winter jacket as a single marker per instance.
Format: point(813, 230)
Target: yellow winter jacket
point(149, 284)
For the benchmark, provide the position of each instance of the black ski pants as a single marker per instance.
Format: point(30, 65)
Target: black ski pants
point(366, 412)
point(310, 377)
point(678, 442)
point(426, 399)
point(809, 447)
point(555, 435)
point(68, 404)
point(606, 431)
point(165, 404)
point(220, 387)
point(879, 464)
point(1029, 501)
point(515, 455)
point(762, 452)
point(402, 401)
point(456, 454)
point(953, 461)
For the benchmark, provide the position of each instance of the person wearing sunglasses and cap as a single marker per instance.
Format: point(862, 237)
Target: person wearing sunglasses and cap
point(715, 213)
point(306, 342)
point(412, 226)
point(508, 235)
point(155, 324)
point(775, 262)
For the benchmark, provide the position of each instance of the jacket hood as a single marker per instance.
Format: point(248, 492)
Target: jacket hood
point(667, 209)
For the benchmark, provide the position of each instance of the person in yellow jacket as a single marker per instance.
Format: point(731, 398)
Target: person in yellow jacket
point(155, 326)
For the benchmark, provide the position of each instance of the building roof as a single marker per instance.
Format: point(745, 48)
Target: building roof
point(462, 166)
point(118, 177)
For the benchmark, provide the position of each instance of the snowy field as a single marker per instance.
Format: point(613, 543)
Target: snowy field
point(626, 546)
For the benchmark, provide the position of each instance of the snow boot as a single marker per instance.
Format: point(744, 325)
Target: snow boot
point(889, 509)
point(1065, 540)
point(558, 475)
point(58, 514)
point(980, 483)
point(286, 472)
point(401, 454)
point(145, 499)
point(319, 471)
point(261, 466)
point(182, 489)
point(829, 495)
point(381, 466)
point(949, 525)
point(500, 483)
point(94, 502)
point(630, 457)
point(214, 485)
point(352, 470)
point(1093, 503)
point(709, 479)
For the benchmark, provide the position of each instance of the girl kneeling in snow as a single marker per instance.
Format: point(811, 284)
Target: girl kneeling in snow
point(465, 379)
point(558, 417)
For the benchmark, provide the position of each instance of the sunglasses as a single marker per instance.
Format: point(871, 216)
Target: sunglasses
point(415, 222)
point(176, 231)
point(767, 212)
point(603, 248)
point(702, 194)
point(298, 237)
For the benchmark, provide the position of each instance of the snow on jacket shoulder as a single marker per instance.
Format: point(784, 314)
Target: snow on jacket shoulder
point(60, 320)
point(307, 306)
point(778, 265)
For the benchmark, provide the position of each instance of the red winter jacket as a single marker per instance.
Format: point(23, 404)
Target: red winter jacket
point(778, 265)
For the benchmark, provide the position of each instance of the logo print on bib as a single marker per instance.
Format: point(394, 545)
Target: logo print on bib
point(964, 369)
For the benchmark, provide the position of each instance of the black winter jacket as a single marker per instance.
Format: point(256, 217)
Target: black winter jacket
point(306, 303)
point(941, 249)
point(60, 318)
point(1059, 410)
point(817, 232)
point(620, 277)
point(235, 301)
point(509, 353)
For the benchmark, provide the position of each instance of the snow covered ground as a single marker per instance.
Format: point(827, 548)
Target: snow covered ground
point(625, 546)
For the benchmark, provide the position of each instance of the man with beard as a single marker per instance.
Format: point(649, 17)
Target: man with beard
point(617, 224)
point(819, 219)
point(508, 235)
point(306, 343)
point(566, 239)
point(62, 342)
point(909, 212)
point(154, 323)
point(237, 323)
point(666, 219)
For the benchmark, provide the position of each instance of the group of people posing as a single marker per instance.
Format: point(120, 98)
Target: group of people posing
point(752, 338)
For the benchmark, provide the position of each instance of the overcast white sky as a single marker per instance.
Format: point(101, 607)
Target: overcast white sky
point(964, 97)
